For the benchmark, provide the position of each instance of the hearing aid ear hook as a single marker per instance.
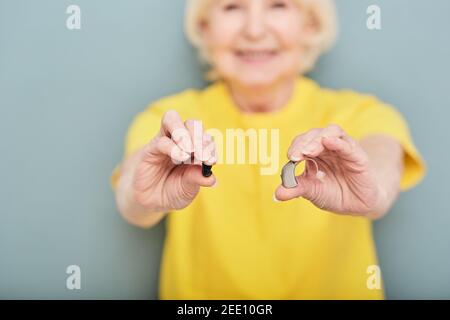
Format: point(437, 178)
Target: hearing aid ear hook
point(288, 178)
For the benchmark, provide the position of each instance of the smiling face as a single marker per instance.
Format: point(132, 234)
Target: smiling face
point(256, 43)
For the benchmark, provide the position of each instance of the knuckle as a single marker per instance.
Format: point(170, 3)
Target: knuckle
point(335, 128)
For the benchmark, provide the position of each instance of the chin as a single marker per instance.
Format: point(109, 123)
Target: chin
point(256, 79)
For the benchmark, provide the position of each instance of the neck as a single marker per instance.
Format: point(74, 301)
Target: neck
point(262, 98)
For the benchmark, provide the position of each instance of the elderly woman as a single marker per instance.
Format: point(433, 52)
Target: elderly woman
point(239, 233)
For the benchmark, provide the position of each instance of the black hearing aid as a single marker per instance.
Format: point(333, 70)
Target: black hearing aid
point(206, 170)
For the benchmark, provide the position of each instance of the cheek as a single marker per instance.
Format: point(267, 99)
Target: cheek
point(218, 48)
point(290, 33)
point(221, 33)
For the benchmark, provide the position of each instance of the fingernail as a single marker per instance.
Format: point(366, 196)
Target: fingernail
point(212, 160)
point(215, 184)
point(295, 158)
point(275, 198)
point(308, 149)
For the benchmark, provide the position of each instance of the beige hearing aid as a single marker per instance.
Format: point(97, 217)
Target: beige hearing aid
point(288, 178)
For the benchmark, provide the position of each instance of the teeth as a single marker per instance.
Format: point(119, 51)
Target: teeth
point(255, 54)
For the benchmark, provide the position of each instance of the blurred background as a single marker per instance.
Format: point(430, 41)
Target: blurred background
point(68, 96)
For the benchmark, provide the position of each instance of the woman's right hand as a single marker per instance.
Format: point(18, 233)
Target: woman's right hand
point(168, 174)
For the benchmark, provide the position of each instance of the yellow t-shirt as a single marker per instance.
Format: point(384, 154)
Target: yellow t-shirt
point(234, 241)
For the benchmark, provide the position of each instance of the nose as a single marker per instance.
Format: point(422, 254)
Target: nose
point(255, 26)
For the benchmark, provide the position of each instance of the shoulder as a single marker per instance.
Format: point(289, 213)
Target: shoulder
point(185, 103)
point(343, 98)
point(189, 103)
point(346, 104)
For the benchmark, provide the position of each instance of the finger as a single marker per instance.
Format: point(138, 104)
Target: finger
point(195, 129)
point(172, 126)
point(168, 147)
point(209, 150)
point(284, 194)
point(193, 177)
point(346, 148)
point(315, 147)
point(295, 151)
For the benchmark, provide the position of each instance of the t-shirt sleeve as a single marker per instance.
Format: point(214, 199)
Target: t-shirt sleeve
point(143, 128)
point(375, 117)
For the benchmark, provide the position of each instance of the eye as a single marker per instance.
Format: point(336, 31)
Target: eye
point(231, 7)
point(279, 4)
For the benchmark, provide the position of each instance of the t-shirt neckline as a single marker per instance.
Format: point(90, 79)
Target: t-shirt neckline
point(296, 101)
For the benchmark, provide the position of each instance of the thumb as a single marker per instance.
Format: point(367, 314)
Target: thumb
point(308, 188)
point(193, 179)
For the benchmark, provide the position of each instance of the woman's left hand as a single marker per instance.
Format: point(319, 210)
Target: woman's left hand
point(349, 185)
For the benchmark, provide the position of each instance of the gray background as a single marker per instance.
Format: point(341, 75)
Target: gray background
point(67, 98)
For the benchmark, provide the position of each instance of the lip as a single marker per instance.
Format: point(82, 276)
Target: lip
point(255, 55)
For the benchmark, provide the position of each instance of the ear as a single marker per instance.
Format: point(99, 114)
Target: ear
point(311, 27)
point(203, 28)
